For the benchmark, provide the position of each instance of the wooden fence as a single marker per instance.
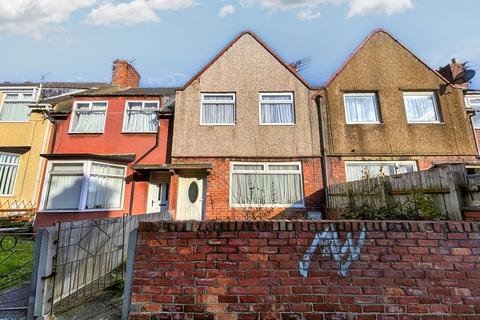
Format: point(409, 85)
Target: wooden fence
point(451, 189)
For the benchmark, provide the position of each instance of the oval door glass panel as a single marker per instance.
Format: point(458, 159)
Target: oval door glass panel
point(193, 192)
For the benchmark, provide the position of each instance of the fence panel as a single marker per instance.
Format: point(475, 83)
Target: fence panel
point(442, 183)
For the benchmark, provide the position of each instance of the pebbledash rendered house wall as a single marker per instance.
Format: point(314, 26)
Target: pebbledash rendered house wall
point(382, 65)
point(247, 67)
point(112, 142)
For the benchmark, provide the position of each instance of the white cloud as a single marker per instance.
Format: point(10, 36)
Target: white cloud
point(34, 17)
point(226, 10)
point(306, 9)
point(133, 12)
point(308, 14)
point(389, 7)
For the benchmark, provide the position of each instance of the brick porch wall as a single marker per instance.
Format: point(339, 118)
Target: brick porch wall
point(217, 205)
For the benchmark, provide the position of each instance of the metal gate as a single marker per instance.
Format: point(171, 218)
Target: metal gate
point(88, 259)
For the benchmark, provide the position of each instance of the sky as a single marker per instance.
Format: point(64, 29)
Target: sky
point(170, 40)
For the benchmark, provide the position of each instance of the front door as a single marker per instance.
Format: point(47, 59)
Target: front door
point(190, 203)
point(158, 193)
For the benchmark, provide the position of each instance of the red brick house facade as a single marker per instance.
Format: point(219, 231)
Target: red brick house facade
point(99, 135)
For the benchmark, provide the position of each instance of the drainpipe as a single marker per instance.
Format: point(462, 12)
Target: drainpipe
point(132, 191)
point(322, 146)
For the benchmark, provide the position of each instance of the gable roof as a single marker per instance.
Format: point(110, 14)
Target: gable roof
point(366, 40)
point(263, 44)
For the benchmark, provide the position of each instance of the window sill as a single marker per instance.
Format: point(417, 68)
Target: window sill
point(365, 123)
point(284, 206)
point(13, 121)
point(217, 124)
point(277, 124)
point(79, 133)
point(138, 132)
point(78, 211)
point(431, 122)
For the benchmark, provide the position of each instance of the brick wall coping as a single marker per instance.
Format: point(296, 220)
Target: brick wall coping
point(309, 225)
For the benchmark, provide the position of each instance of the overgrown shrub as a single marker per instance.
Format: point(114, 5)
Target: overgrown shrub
point(420, 207)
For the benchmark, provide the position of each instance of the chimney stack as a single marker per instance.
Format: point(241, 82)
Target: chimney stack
point(454, 73)
point(125, 75)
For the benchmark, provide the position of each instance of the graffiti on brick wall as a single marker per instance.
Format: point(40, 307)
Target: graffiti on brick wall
point(344, 254)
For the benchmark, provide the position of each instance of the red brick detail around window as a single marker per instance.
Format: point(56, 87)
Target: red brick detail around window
point(217, 205)
point(265, 270)
point(336, 165)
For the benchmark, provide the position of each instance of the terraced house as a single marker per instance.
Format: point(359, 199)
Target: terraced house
point(246, 138)
point(385, 111)
point(99, 137)
point(24, 135)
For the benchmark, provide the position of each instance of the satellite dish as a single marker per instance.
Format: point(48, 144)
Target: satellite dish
point(465, 76)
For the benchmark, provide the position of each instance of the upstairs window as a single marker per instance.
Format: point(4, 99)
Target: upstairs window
point(266, 185)
point(277, 108)
point(8, 172)
point(88, 117)
point(15, 105)
point(141, 116)
point(218, 109)
point(474, 103)
point(421, 107)
point(357, 170)
point(84, 186)
point(361, 108)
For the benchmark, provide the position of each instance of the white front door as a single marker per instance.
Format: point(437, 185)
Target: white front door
point(190, 197)
point(158, 193)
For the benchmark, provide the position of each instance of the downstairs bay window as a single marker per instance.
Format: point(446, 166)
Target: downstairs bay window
point(78, 186)
point(358, 170)
point(266, 185)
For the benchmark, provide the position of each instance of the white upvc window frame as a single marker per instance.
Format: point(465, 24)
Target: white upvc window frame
point(260, 101)
point(21, 91)
point(362, 94)
point(124, 130)
point(436, 106)
point(74, 119)
point(266, 170)
point(202, 101)
point(475, 108)
point(82, 203)
point(16, 174)
point(396, 163)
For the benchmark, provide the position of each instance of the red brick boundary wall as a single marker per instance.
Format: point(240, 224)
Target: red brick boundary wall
point(307, 270)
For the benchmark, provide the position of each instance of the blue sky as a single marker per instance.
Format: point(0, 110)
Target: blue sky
point(170, 40)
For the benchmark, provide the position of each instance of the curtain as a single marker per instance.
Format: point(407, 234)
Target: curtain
point(14, 111)
point(476, 119)
point(361, 109)
point(420, 108)
point(266, 189)
point(277, 113)
point(364, 171)
point(89, 121)
point(218, 113)
point(65, 186)
point(141, 121)
point(8, 172)
point(104, 189)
